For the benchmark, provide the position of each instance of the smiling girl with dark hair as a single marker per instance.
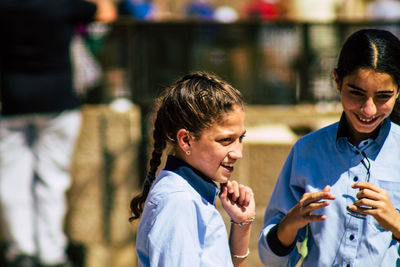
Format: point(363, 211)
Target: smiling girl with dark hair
point(340, 185)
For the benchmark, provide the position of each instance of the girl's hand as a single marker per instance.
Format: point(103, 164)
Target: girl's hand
point(375, 201)
point(301, 214)
point(238, 201)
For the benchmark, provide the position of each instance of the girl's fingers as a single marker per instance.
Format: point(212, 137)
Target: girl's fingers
point(246, 194)
point(233, 191)
point(319, 205)
point(363, 210)
point(327, 188)
point(366, 203)
point(229, 187)
point(367, 185)
point(249, 196)
point(223, 195)
point(236, 193)
point(368, 193)
point(310, 198)
point(314, 201)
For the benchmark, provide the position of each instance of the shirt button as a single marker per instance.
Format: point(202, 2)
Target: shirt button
point(355, 179)
point(351, 237)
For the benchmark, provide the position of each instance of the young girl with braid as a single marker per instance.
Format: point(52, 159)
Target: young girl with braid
point(202, 118)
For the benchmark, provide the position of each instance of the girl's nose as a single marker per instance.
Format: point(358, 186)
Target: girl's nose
point(236, 152)
point(369, 107)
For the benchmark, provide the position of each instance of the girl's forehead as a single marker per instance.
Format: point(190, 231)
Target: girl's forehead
point(231, 119)
point(231, 116)
point(370, 77)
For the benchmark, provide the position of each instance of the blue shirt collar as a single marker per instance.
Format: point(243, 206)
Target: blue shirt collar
point(379, 138)
point(201, 183)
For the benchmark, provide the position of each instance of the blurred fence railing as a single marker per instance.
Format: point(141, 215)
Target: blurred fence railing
point(270, 62)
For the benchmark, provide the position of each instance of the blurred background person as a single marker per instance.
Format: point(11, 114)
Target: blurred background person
point(39, 123)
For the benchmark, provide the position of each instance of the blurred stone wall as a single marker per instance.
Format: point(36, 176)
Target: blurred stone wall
point(105, 175)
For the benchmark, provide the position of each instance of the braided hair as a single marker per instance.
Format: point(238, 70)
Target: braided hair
point(195, 102)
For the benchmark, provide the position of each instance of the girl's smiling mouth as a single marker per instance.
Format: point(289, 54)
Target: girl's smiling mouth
point(227, 166)
point(368, 121)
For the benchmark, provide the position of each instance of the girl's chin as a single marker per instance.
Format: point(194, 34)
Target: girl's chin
point(221, 179)
point(366, 131)
point(366, 128)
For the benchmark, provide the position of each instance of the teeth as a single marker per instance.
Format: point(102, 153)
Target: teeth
point(227, 165)
point(365, 120)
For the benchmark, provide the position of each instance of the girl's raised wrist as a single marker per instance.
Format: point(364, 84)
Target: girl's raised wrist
point(242, 256)
point(245, 222)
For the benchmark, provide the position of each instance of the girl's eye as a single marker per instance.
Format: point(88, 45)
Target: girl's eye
point(225, 140)
point(356, 93)
point(241, 138)
point(384, 96)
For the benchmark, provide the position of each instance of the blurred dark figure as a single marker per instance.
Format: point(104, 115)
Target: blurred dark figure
point(39, 123)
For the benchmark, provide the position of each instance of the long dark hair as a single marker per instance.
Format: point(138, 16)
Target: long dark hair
point(195, 102)
point(374, 49)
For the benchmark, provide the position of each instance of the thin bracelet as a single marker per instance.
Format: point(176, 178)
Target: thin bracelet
point(242, 256)
point(249, 221)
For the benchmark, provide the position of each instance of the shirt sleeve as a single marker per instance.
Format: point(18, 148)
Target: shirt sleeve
point(174, 238)
point(283, 198)
point(276, 245)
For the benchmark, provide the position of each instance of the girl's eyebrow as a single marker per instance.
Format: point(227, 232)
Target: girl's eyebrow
point(356, 87)
point(362, 90)
point(386, 92)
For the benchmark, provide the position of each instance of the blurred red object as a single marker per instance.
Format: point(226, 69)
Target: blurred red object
point(263, 9)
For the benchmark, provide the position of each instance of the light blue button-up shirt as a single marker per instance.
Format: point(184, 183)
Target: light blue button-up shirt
point(180, 225)
point(325, 157)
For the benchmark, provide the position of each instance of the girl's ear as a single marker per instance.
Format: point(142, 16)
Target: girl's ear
point(336, 77)
point(183, 137)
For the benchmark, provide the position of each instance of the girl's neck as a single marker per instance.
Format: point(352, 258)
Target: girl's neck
point(355, 138)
